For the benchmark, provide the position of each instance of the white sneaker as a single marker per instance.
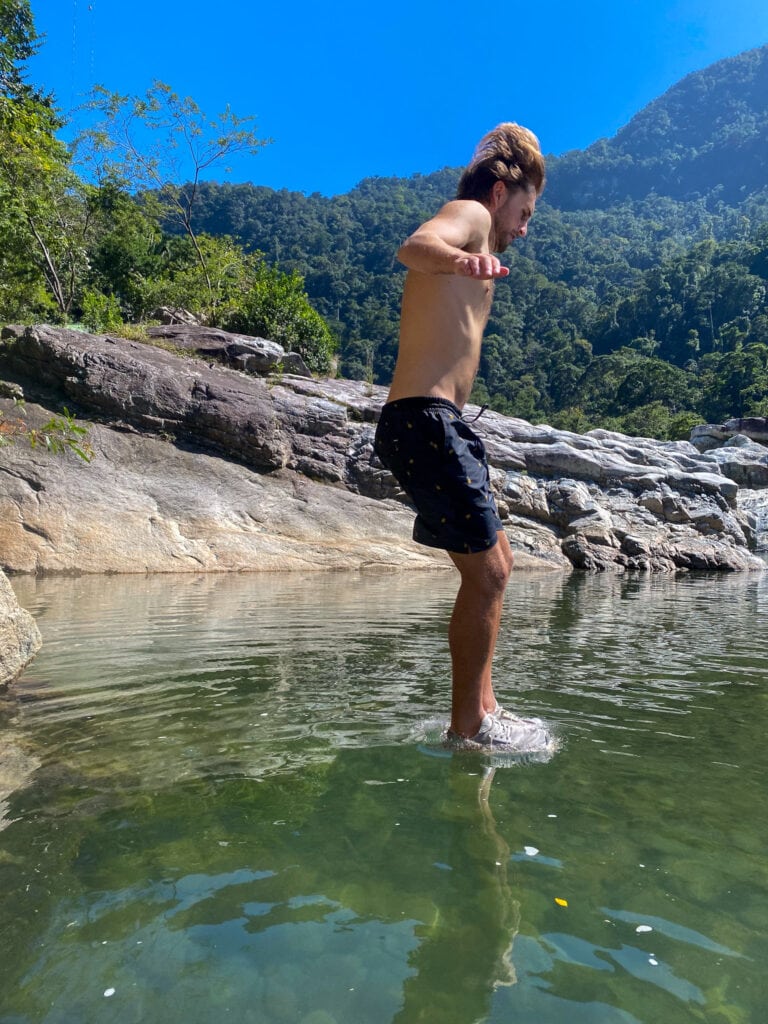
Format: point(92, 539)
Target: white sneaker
point(507, 733)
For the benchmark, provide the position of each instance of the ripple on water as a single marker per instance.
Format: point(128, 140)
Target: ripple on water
point(334, 660)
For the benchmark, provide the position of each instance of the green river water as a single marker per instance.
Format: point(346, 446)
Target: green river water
point(227, 801)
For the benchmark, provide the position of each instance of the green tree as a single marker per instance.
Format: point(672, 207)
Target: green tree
point(127, 252)
point(169, 170)
point(47, 214)
point(735, 383)
point(43, 222)
point(46, 207)
point(18, 42)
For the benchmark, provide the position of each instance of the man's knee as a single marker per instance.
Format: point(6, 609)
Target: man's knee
point(506, 551)
point(502, 568)
point(504, 557)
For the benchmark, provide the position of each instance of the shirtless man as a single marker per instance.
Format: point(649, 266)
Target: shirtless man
point(436, 457)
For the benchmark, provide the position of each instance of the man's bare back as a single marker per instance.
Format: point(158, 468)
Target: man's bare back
point(448, 294)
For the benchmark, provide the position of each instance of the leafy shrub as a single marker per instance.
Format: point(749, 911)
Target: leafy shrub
point(276, 307)
point(100, 312)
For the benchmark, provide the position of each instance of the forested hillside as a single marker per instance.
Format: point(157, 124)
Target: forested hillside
point(706, 136)
point(638, 300)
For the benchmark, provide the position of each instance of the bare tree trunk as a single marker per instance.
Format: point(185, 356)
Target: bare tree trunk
point(51, 274)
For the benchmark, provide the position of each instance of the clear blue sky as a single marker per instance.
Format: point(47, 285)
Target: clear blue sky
point(349, 90)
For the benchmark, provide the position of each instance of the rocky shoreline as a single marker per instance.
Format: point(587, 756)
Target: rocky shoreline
point(202, 466)
point(203, 463)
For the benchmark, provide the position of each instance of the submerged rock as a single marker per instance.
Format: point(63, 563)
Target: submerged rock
point(201, 466)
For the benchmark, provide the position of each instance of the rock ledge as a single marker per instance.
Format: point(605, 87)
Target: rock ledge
point(201, 466)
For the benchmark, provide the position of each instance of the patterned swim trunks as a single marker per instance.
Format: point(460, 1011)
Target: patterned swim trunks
point(441, 465)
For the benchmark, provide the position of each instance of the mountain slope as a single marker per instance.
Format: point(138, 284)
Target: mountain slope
point(707, 134)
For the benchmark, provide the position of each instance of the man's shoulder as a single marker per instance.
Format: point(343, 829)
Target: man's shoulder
point(470, 209)
point(470, 218)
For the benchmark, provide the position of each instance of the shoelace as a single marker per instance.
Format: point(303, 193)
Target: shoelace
point(483, 409)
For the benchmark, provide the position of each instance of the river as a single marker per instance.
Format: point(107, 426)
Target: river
point(231, 803)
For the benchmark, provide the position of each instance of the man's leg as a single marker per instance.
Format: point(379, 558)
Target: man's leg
point(473, 631)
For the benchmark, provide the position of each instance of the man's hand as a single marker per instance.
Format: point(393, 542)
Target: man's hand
point(483, 266)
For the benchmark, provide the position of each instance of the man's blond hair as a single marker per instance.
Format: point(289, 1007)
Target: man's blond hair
point(509, 153)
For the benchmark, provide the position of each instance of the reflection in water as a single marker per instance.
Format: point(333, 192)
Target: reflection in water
point(224, 806)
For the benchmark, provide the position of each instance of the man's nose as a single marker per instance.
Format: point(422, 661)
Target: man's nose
point(522, 230)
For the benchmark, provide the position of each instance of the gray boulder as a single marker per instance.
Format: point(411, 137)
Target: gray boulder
point(712, 435)
point(253, 355)
point(174, 315)
point(19, 636)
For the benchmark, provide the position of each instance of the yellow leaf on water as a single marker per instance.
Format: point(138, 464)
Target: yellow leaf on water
point(561, 903)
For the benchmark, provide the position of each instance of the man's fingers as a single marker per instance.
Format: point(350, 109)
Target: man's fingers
point(483, 266)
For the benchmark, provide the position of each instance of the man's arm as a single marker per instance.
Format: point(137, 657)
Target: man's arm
point(447, 243)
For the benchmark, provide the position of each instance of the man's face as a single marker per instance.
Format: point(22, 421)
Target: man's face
point(510, 218)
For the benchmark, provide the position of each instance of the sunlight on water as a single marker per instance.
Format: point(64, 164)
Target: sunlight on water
point(224, 798)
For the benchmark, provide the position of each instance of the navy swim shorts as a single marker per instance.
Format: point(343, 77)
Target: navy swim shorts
point(441, 465)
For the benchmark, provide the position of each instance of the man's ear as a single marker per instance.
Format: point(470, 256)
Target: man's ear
point(498, 194)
